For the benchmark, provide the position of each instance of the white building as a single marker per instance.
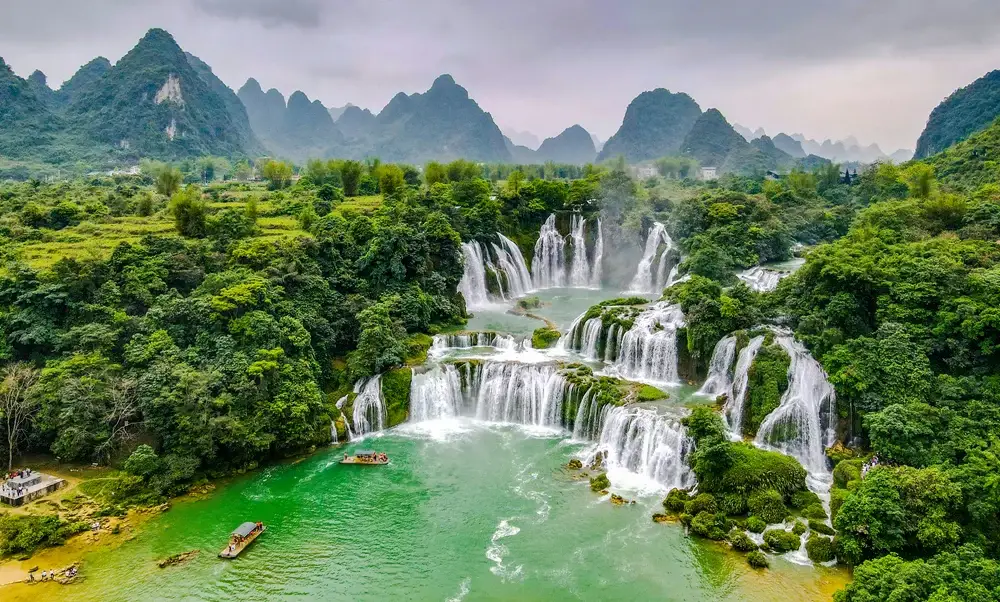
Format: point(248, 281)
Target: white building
point(709, 173)
point(644, 172)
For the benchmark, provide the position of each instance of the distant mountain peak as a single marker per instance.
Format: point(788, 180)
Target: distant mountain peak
point(655, 125)
point(574, 146)
point(444, 79)
point(966, 111)
point(38, 77)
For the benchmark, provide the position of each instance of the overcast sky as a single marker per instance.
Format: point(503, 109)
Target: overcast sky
point(871, 68)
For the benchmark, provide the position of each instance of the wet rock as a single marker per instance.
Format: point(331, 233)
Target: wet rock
point(598, 462)
point(600, 483)
point(664, 518)
point(618, 500)
point(574, 464)
point(177, 559)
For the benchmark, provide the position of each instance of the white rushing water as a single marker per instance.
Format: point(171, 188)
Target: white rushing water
point(651, 275)
point(762, 279)
point(648, 350)
point(803, 424)
point(732, 411)
point(549, 265)
point(369, 407)
point(502, 263)
point(443, 343)
point(502, 392)
point(720, 379)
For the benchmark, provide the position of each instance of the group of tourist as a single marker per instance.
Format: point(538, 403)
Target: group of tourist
point(870, 464)
point(8, 491)
point(49, 575)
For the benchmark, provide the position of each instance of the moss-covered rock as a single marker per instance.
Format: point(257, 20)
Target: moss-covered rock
point(781, 541)
point(750, 469)
point(768, 505)
point(703, 502)
point(799, 527)
point(820, 549)
point(757, 560)
point(755, 524)
point(741, 542)
point(600, 482)
point(732, 504)
point(821, 527)
point(767, 381)
point(650, 393)
point(574, 464)
point(396, 392)
point(804, 498)
point(710, 526)
point(618, 500)
point(814, 511)
point(837, 497)
point(676, 500)
point(544, 337)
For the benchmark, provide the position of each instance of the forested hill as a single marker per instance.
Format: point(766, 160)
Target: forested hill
point(300, 130)
point(967, 111)
point(654, 126)
point(574, 146)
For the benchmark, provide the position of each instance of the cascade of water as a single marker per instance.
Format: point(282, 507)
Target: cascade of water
point(733, 410)
point(719, 379)
point(644, 280)
point(548, 267)
point(443, 343)
point(802, 426)
point(436, 394)
point(596, 267)
point(613, 344)
point(369, 406)
point(518, 393)
point(762, 279)
point(334, 439)
point(591, 337)
point(646, 443)
point(579, 269)
point(473, 282)
point(511, 262)
point(648, 350)
point(587, 425)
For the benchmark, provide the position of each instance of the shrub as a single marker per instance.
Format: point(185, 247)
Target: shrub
point(396, 392)
point(23, 534)
point(703, 502)
point(820, 549)
point(821, 527)
point(600, 482)
point(710, 526)
point(686, 519)
point(675, 500)
point(799, 527)
point(744, 469)
point(845, 472)
point(741, 542)
point(781, 541)
point(732, 504)
point(757, 560)
point(756, 525)
point(837, 497)
point(768, 505)
point(804, 498)
point(766, 382)
point(814, 511)
point(650, 393)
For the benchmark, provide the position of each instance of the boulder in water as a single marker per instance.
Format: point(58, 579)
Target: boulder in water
point(664, 518)
point(574, 464)
point(177, 559)
point(600, 482)
point(598, 462)
point(618, 500)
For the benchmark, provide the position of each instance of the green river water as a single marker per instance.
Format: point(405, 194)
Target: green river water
point(465, 511)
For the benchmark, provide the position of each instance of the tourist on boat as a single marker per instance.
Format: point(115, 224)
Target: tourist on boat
point(44, 575)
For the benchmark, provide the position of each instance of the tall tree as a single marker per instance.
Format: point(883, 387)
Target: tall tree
point(16, 405)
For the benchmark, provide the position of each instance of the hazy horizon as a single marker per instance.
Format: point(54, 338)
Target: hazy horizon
point(831, 71)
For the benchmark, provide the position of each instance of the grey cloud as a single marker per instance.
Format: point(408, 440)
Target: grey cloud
point(306, 14)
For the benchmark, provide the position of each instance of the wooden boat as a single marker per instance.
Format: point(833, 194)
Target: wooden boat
point(242, 537)
point(365, 457)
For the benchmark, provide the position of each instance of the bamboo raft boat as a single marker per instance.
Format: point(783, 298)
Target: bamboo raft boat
point(365, 458)
point(242, 537)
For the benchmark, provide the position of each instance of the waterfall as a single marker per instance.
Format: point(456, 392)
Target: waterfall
point(596, 269)
point(579, 272)
point(510, 261)
point(587, 424)
point(649, 349)
point(644, 280)
point(591, 337)
point(334, 439)
point(369, 406)
point(733, 410)
point(443, 343)
point(473, 283)
point(719, 379)
point(436, 394)
point(803, 424)
point(646, 443)
point(762, 279)
point(548, 267)
point(504, 392)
